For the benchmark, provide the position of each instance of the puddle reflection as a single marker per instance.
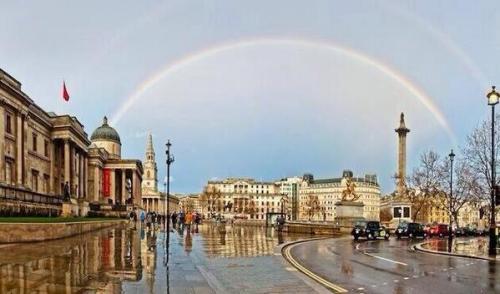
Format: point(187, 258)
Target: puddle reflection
point(121, 259)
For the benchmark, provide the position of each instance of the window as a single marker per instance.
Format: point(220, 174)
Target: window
point(8, 124)
point(406, 212)
point(397, 211)
point(34, 142)
point(34, 180)
point(8, 172)
point(46, 148)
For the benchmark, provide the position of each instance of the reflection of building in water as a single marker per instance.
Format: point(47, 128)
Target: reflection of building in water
point(148, 254)
point(96, 263)
point(238, 241)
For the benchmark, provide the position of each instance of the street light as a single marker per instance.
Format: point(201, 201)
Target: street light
point(493, 98)
point(452, 157)
point(170, 160)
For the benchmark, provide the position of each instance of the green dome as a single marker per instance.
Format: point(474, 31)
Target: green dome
point(105, 132)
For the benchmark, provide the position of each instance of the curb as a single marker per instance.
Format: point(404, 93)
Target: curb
point(288, 257)
point(418, 247)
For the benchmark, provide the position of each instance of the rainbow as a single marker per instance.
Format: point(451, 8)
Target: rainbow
point(196, 56)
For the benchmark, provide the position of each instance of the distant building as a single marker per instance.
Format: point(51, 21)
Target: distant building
point(329, 191)
point(247, 198)
point(290, 187)
point(152, 198)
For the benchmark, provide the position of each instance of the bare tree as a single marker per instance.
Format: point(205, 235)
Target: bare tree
point(466, 188)
point(424, 183)
point(211, 199)
point(385, 215)
point(477, 155)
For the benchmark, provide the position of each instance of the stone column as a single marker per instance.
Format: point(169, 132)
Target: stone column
point(134, 188)
point(25, 152)
point(52, 167)
point(67, 163)
point(86, 178)
point(2, 142)
point(19, 150)
point(124, 188)
point(113, 185)
point(97, 184)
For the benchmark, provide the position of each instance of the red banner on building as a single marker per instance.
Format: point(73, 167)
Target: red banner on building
point(106, 182)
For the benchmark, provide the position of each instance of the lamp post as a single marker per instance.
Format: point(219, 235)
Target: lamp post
point(493, 98)
point(450, 200)
point(170, 160)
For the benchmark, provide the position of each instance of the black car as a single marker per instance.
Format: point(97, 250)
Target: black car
point(369, 230)
point(410, 230)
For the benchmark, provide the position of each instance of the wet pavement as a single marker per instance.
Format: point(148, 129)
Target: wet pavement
point(128, 260)
point(394, 267)
point(461, 246)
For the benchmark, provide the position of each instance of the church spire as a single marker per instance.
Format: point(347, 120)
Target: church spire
point(149, 146)
point(150, 179)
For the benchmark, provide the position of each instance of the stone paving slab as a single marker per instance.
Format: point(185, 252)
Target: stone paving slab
point(195, 273)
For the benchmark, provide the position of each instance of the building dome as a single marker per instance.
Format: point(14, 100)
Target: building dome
point(105, 133)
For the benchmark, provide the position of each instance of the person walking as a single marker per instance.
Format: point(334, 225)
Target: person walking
point(143, 217)
point(174, 219)
point(181, 220)
point(189, 220)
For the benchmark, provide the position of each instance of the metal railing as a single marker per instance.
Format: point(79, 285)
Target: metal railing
point(20, 194)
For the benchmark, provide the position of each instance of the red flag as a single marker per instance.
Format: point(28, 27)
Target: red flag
point(65, 94)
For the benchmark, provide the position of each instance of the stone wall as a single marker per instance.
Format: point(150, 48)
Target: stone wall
point(34, 232)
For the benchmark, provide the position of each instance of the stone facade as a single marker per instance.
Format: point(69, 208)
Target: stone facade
point(41, 153)
point(246, 198)
point(152, 198)
point(328, 192)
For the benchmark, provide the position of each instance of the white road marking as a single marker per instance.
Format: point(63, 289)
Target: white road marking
point(361, 288)
point(386, 259)
point(415, 276)
point(396, 281)
point(406, 278)
point(385, 283)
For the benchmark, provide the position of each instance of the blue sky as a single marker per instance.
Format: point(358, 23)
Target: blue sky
point(262, 89)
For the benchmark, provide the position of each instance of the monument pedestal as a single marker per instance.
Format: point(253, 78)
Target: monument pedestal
point(348, 213)
point(70, 208)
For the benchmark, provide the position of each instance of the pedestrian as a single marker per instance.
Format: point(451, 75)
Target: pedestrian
point(143, 217)
point(174, 219)
point(189, 220)
point(148, 220)
point(181, 221)
point(197, 221)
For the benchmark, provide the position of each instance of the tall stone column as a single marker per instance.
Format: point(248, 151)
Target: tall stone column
point(134, 188)
point(124, 188)
point(19, 150)
point(97, 184)
point(2, 142)
point(402, 131)
point(52, 167)
point(26, 163)
point(67, 163)
point(113, 185)
point(86, 178)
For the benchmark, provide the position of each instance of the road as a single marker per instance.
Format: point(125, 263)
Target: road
point(392, 266)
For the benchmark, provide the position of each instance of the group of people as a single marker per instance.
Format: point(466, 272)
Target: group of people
point(188, 220)
point(151, 219)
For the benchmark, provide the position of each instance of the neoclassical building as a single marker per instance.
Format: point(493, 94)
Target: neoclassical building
point(152, 198)
point(42, 152)
point(244, 197)
point(327, 192)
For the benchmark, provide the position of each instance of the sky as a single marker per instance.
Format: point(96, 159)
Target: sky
point(261, 89)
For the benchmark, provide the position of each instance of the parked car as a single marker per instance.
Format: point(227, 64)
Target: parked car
point(461, 232)
point(439, 230)
point(370, 230)
point(410, 230)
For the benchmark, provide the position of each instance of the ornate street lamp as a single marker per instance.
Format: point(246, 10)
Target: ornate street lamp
point(493, 98)
point(452, 157)
point(170, 160)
